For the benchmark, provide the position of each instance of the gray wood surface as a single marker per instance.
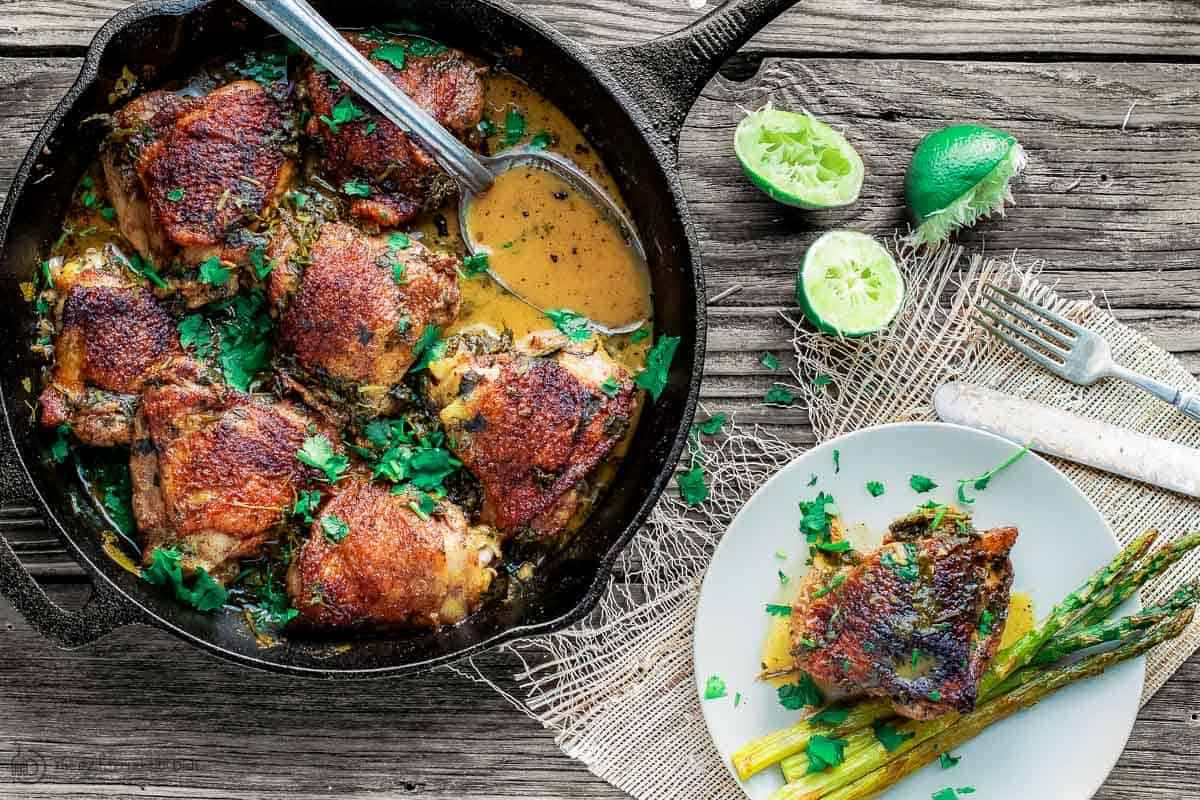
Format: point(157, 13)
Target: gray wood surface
point(1112, 207)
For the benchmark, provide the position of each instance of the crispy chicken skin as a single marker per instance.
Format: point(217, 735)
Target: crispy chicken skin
point(531, 429)
point(922, 592)
point(343, 316)
point(112, 337)
point(403, 178)
point(214, 470)
point(394, 569)
point(188, 176)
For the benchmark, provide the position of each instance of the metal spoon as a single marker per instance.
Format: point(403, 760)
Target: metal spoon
point(300, 23)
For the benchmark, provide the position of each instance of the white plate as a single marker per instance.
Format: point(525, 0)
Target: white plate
point(1063, 748)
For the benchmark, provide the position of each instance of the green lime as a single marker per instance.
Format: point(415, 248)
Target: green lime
point(957, 176)
point(797, 159)
point(849, 284)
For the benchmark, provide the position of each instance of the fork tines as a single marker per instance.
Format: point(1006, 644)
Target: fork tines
point(1033, 331)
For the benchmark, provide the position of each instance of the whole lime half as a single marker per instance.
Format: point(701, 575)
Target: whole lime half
point(957, 176)
point(797, 159)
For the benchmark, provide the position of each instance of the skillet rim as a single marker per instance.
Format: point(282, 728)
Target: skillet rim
point(665, 155)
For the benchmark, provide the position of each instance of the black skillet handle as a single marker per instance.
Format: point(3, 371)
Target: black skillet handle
point(105, 611)
point(667, 75)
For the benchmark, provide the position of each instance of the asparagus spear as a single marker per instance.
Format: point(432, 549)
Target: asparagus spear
point(886, 773)
point(765, 751)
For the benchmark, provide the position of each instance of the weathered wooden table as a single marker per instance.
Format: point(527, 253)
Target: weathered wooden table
point(1105, 94)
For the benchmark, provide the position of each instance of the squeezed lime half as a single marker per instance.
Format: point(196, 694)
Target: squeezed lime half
point(849, 284)
point(797, 159)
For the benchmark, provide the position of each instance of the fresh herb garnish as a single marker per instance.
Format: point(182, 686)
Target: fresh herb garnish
point(837, 461)
point(692, 486)
point(334, 528)
point(60, 447)
point(921, 484)
point(948, 761)
point(940, 515)
point(816, 518)
point(429, 348)
point(165, 571)
point(357, 188)
point(108, 213)
point(830, 716)
point(426, 48)
point(795, 696)
point(573, 325)
point(837, 581)
point(711, 426)
point(822, 380)
point(824, 752)
point(908, 569)
point(391, 53)
point(779, 396)
point(274, 606)
point(487, 127)
point(144, 269)
point(776, 610)
point(611, 386)
point(639, 334)
point(714, 688)
point(243, 338)
point(981, 482)
point(195, 334)
point(416, 464)
point(770, 361)
point(888, 736)
point(345, 111)
point(307, 504)
point(784, 580)
point(175, 195)
point(319, 454)
point(812, 479)
point(476, 264)
point(658, 366)
point(262, 268)
point(514, 127)
point(212, 273)
point(875, 488)
point(541, 141)
point(985, 622)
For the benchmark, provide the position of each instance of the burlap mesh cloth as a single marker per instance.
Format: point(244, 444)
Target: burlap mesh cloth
point(618, 690)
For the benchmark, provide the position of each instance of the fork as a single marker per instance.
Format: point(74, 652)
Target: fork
point(1068, 350)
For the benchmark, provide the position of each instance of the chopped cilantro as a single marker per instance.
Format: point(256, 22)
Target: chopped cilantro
point(391, 53)
point(175, 195)
point(908, 569)
point(425, 48)
point(108, 213)
point(837, 461)
point(306, 504)
point(89, 199)
point(916, 657)
point(711, 426)
point(824, 752)
point(714, 688)
point(692, 486)
point(274, 605)
point(244, 346)
point(514, 127)
point(357, 188)
point(829, 587)
point(921, 484)
point(345, 111)
point(737, 699)
point(822, 380)
point(398, 272)
point(833, 547)
point(476, 264)
point(779, 396)
point(195, 334)
point(144, 269)
point(944, 794)
point(429, 348)
point(783, 579)
point(981, 482)
point(319, 454)
point(875, 488)
point(639, 334)
point(966, 790)
point(779, 611)
point(658, 366)
point(211, 272)
point(947, 761)
point(888, 736)
point(936, 522)
point(541, 141)
point(414, 463)
point(611, 386)
point(334, 528)
point(259, 264)
point(574, 326)
point(985, 622)
point(782, 556)
point(300, 199)
point(804, 692)
point(812, 479)
point(86, 182)
point(770, 361)
point(165, 571)
point(487, 127)
point(830, 716)
point(934, 695)
point(60, 447)
point(816, 517)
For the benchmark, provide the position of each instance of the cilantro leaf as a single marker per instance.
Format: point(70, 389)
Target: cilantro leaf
point(429, 348)
point(476, 264)
point(243, 337)
point(258, 263)
point(196, 335)
point(812, 479)
point(166, 572)
point(108, 213)
point(837, 462)
point(981, 482)
point(345, 111)
point(274, 605)
point(306, 504)
point(770, 361)
point(143, 269)
point(541, 141)
point(908, 569)
point(888, 736)
point(692, 486)
point(175, 195)
point(319, 454)
point(711, 426)
point(60, 447)
point(611, 386)
point(213, 273)
point(714, 688)
point(830, 716)
point(426, 48)
point(947, 761)
point(392, 53)
point(778, 610)
point(487, 127)
point(921, 484)
point(571, 324)
point(784, 580)
point(824, 752)
point(639, 334)
point(816, 518)
point(837, 581)
point(875, 488)
point(779, 396)
point(334, 528)
point(658, 366)
point(795, 696)
point(357, 188)
point(514, 127)
point(822, 380)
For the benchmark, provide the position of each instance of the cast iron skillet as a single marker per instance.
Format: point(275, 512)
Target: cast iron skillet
point(630, 101)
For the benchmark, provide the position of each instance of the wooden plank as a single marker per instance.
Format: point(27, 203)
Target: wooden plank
point(1105, 28)
point(99, 717)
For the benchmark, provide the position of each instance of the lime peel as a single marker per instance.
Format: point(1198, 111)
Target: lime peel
point(990, 196)
point(798, 160)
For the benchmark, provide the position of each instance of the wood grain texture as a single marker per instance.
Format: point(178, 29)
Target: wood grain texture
point(1041, 29)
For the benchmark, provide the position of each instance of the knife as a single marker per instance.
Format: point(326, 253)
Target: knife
point(1070, 436)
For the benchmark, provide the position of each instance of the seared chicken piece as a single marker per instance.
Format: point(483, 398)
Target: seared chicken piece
point(918, 620)
point(395, 177)
point(214, 470)
point(352, 308)
point(190, 177)
point(373, 562)
point(112, 337)
point(532, 429)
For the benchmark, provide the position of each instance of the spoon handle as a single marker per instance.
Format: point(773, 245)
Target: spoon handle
point(300, 23)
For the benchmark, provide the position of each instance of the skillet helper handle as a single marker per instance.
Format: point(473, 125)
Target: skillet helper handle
point(667, 75)
point(105, 611)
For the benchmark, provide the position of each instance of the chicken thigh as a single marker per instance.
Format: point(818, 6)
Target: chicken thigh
point(215, 471)
point(532, 428)
point(389, 177)
point(373, 561)
point(112, 336)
